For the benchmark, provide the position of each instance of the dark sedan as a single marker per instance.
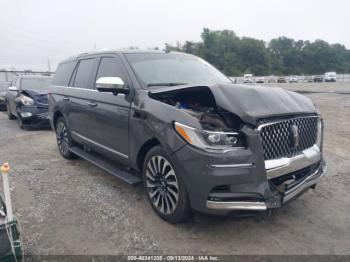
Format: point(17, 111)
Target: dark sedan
point(281, 80)
point(318, 79)
point(27, 101)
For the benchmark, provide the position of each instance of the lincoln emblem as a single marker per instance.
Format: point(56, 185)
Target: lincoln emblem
point(294, 136)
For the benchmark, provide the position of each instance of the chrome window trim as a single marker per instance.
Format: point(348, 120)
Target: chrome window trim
point(99, 145)
point(73, 87)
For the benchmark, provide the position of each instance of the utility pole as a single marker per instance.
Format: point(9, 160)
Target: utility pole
point(48, 65)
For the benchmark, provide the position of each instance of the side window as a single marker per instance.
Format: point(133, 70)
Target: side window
point(63, 74)
point(83, 74)
point(110, 66)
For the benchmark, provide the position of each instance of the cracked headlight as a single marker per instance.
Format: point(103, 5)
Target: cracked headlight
point(211, 141)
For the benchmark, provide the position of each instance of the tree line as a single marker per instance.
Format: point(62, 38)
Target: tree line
point(235, 55)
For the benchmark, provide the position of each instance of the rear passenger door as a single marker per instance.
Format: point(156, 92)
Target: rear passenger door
point(80, 93)
point(109, 113)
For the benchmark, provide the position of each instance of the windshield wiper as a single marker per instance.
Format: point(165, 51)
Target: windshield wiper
point(166, 84)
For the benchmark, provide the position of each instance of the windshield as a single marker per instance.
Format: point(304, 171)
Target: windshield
point(170, 69)
point(37, 84)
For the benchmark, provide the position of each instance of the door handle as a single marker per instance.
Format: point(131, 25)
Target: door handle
point(66, 99)
point(92, 104)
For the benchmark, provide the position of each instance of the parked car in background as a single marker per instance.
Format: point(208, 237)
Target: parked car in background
point(293, 79)
point(248, 79)
point(281, 79)
point(3, 88)
point(330, 77)
point(195, 139)
point(260, 79)
point(26, 100)
point(317, 79)
point(271, 79)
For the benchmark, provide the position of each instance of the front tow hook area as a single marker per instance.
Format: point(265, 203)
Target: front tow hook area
point(291, 192)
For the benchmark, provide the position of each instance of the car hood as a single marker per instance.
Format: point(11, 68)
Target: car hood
point(38, 96)
point(253, 103)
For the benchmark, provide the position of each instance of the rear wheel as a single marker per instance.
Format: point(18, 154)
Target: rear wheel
point(9, 114)
point(64, 141)
point(164, 186)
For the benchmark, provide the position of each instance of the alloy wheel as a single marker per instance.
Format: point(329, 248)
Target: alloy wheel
point(62, 137)
point(162, 185)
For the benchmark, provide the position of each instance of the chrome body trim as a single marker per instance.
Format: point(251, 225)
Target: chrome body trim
point(285, 165)
point(311, 180)
point(74, 88)
point(221, 205)
point(99, 145)
point(245, 165)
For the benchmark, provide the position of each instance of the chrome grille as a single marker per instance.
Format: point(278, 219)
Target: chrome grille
point(278, 137)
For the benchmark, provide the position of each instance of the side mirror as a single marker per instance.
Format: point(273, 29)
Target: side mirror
point(13, 88)
point(114, 85)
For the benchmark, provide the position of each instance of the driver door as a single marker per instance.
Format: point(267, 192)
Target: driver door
point(108, 114)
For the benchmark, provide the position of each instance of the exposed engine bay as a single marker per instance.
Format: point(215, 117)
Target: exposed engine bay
point(200, 103)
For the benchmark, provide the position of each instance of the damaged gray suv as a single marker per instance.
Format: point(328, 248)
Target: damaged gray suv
point(194, 139)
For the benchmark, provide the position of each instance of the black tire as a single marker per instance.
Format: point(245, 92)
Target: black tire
point(164, 187)
point(64, 140)
point(9, 114)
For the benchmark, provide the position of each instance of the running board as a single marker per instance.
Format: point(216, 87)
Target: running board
point(106, 165)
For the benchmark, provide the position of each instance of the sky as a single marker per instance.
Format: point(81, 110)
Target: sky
point(33, 32)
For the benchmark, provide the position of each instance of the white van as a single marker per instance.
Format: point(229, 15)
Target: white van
point(248, 78)
point(330, 77)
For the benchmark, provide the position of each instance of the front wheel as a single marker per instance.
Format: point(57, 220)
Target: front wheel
point(64, 141)
point(164, 186)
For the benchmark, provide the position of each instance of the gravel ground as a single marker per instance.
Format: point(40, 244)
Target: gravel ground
point(72, 207)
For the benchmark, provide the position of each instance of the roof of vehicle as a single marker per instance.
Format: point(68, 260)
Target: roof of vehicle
point(120, 51)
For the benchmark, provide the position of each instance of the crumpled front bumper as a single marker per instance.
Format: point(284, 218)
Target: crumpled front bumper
point(39, 116)
point(281, 198)
point(242, 180)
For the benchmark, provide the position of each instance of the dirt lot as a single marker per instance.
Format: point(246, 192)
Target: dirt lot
point(72, 207)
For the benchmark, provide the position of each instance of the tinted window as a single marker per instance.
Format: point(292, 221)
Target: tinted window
point(38, 84)
point(110, 66)
point(63, 74)
point(83, 74)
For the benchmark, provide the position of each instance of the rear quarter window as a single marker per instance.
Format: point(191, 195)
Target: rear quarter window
point(63, 74)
